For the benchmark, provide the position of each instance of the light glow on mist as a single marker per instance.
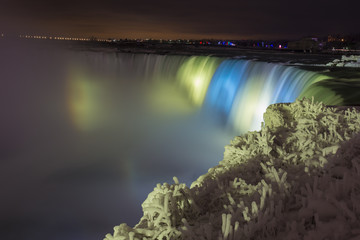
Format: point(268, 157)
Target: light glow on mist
point(82, 100)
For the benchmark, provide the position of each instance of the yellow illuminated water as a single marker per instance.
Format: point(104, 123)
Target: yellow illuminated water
point(194, 76)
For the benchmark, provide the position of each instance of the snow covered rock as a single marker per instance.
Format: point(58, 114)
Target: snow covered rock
point(296, 178)
point(346, 61)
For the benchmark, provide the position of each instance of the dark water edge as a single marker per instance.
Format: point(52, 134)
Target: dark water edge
point(266, 55)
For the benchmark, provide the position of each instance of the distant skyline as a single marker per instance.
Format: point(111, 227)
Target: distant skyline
point(184, 19)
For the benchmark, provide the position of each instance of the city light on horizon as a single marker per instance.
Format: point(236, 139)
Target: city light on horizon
point(162, 19)
point(330, 43)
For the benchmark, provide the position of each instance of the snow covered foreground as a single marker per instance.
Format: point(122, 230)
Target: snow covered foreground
point(296, 178)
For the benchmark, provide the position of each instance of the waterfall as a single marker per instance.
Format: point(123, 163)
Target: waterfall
point(240, 91)
point(237, 92)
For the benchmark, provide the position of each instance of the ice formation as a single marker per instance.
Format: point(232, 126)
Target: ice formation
point(346, 61)
point(296, 178)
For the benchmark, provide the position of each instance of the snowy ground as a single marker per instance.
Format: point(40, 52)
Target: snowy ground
point(346, 61)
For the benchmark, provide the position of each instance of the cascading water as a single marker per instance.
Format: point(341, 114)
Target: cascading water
point(194, 75)
point(240, 91)
point(235, 91)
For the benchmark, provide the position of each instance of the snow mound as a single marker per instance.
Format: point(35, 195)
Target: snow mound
point(346, 61)
point(296, 178)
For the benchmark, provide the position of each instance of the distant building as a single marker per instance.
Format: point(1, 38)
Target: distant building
point(332, 38)
point(304, 45)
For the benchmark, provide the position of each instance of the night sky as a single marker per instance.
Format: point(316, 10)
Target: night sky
point(241, 19)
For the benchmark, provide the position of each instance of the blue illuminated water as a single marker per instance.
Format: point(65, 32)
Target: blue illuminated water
point(241, 90)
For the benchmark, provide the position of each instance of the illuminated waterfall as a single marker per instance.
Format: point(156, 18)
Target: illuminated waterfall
point(240, 91)
point(195, 75)
point(236, 91)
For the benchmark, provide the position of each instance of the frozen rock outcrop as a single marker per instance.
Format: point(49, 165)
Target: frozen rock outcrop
point(296, 178)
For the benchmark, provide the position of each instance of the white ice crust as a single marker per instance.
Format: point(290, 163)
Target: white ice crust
point(346, 61)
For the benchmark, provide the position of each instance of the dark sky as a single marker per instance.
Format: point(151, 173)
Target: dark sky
point(241, 19)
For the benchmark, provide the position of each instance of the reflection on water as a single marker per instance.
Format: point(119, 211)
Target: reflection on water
point(86, 136)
